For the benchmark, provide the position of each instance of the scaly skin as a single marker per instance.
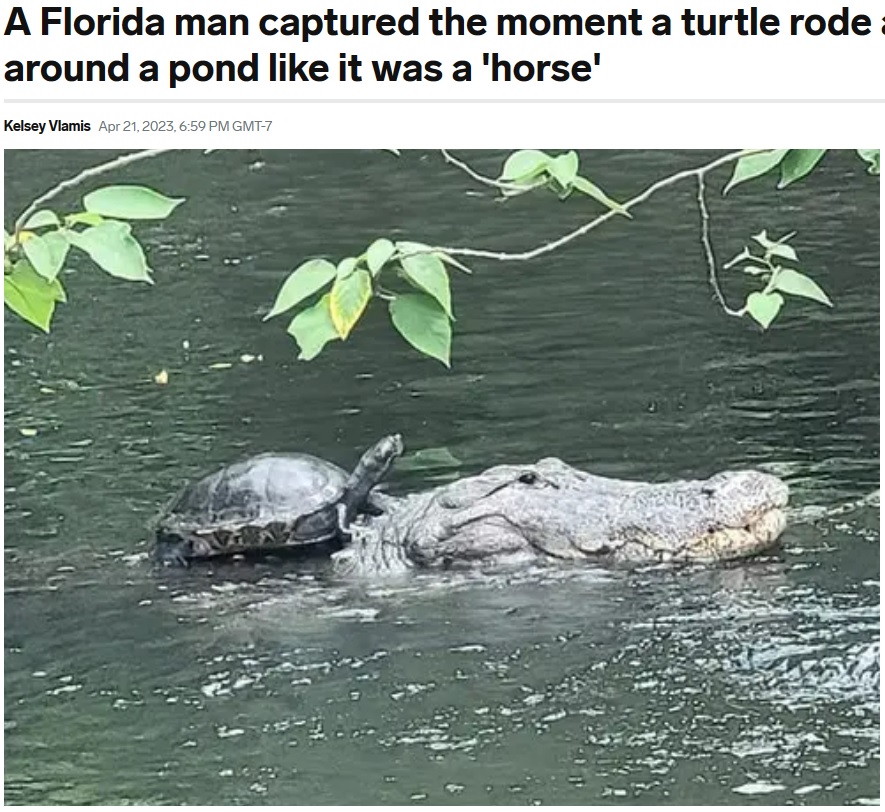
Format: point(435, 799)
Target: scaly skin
point(551, 510)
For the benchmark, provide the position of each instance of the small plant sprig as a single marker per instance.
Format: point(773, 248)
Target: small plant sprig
point(529, 169)
point(420, 309)
point(765, 259)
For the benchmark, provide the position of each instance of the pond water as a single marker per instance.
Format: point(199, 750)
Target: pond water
point(266, 683)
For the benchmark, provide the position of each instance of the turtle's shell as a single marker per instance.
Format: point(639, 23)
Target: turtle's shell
point(269, 500)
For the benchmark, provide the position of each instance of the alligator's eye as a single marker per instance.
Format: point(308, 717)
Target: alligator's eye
point(528, 478)
point(708, 491)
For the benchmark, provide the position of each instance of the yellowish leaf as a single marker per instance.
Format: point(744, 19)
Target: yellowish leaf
point(348, 299)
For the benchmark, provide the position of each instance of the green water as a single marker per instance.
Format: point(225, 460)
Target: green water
point(758, 682)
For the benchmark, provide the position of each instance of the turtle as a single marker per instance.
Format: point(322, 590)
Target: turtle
point(270, 501)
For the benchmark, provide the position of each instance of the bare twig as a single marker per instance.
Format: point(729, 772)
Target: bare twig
point(708, 250)
point(86, 174)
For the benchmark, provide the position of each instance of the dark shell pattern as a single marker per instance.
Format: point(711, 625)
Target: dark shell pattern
point(264, 501)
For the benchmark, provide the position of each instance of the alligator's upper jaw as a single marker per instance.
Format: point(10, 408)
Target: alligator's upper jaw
point(711, 544)
point(760, 533)
point(717, 533)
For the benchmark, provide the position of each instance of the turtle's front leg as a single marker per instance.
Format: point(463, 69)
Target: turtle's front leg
point(343, 523)
point(173, 553)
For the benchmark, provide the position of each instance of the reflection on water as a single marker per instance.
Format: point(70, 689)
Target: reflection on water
point(757, 682)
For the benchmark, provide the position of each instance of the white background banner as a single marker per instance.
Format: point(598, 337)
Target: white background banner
point(521, 51)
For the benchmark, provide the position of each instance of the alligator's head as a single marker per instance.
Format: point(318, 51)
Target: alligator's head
point(551, 509)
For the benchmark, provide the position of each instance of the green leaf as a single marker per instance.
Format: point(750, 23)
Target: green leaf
point(783, 251)
point(346, 267)
point(564, 168)
point(524, 164)
point(871, 156)
point(452, 261)
point(763, 239)
point(112, 247)
point(774, 248)
point(797, 164)
point(752, 166)
point(590, 189)
point(405, 248)
point(312, 328)
point(744, 254)
point(44, 217)
point(424, 324)
point(131, 203)
point(427, 272)
point(303, 282)
point(795, 283)
point(378, 254)
point(763, 307)
point(348, 300)
point(83, 218)
point(31, 296)
point(47, 253)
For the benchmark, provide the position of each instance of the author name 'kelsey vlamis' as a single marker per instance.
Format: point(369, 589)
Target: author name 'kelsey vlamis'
point(55, 125)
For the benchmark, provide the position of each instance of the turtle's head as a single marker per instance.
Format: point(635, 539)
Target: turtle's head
point(386, 450)
point(371, 469)
point(377, 461)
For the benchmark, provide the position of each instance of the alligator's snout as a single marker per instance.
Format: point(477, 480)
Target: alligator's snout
point(745, 514)
point(739, 498)
point(732, 514)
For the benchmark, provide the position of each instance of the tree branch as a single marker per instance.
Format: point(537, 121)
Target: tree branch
point(699, 173)
point(546, 248)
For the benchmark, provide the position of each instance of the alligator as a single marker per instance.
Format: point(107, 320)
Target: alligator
point(516, 513)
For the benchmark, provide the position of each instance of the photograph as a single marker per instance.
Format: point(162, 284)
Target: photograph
point(441, 476)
